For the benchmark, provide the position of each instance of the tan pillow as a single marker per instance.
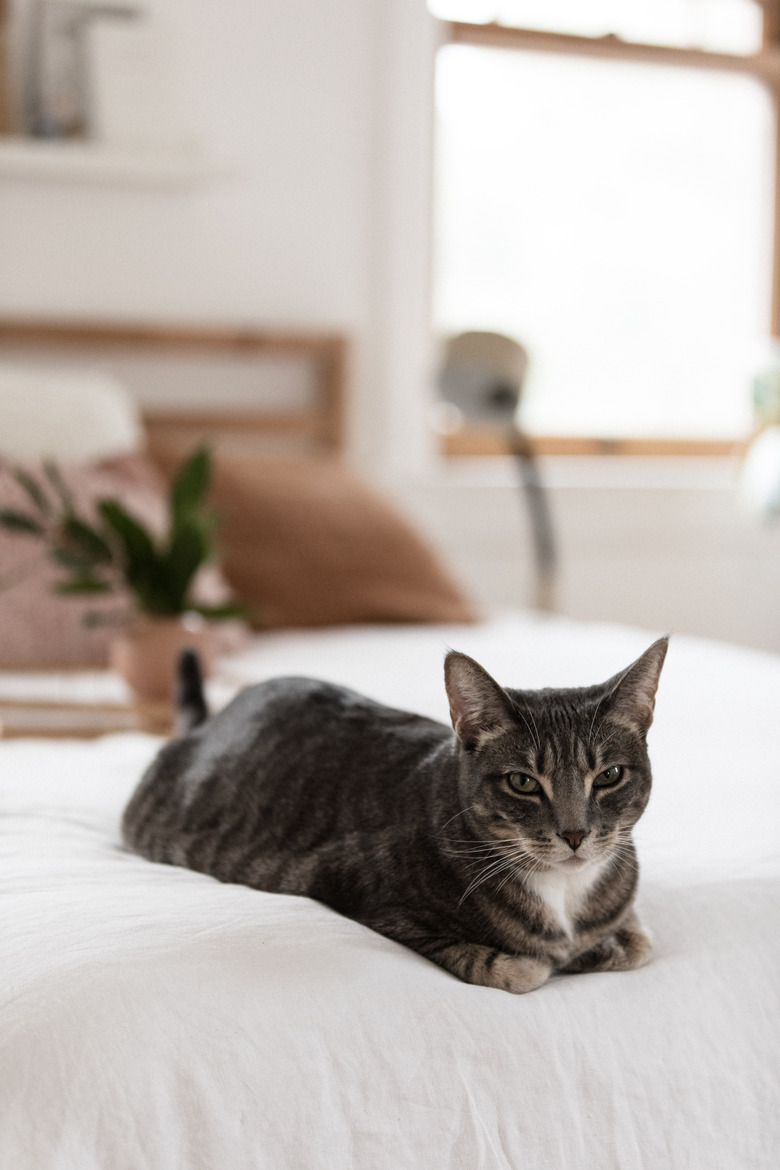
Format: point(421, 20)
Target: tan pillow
point(40, 628)
point(306, 543)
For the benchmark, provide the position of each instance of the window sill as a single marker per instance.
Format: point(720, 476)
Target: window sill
point(597, 472)
point(487, 441)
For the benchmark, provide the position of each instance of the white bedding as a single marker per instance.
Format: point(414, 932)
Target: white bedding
point(153, 1018)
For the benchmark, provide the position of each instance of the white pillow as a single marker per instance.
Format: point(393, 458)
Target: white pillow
point(70, 416)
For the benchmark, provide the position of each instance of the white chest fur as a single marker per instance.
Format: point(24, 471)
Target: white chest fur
point(564, 892)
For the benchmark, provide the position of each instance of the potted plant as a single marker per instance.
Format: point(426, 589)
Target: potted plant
point(114, 552)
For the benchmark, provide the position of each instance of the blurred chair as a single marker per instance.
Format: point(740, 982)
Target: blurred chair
point(482, 376)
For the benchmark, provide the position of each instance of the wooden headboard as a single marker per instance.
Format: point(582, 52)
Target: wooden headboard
point(256, 390)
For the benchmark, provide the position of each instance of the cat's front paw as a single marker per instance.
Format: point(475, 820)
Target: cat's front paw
point(633, 947)
point(625, 950)
point(517, 974)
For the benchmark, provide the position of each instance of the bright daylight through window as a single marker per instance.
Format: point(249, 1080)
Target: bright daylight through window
point(614, 216)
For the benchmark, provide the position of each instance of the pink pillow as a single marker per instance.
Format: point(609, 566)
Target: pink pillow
point(40, 628)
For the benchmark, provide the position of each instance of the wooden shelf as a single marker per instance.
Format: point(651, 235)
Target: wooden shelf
point(27, 718)
point(82, 162)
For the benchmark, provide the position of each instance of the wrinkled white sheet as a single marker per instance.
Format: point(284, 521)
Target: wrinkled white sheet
point(152, 1018)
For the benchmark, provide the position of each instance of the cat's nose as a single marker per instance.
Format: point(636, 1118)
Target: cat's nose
point(575, 837)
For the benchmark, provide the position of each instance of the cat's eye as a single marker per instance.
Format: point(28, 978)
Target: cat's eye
point(521, 782)
point(608, 777)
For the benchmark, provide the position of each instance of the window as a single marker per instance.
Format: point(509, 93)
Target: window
point(729, 26)
point(614, 215)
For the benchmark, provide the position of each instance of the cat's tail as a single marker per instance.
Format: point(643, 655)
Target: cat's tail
point(191, 709)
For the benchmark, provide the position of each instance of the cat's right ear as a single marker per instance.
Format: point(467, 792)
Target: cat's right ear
point(632, 697)
point(479, 708)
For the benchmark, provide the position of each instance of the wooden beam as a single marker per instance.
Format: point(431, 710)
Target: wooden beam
point(775, 307)
point(765, 64)
point(333, 382)
point(6, 96)
point(253, 421)
point(148, 336)
point(486, 441)
point(771, 19)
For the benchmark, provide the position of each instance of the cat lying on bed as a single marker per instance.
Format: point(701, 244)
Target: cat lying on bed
point(502, 853)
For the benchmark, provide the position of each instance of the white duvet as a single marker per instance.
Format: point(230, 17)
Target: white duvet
point(153, 1019)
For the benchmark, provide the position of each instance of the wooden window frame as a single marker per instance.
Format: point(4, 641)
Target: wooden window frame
point(763, 65)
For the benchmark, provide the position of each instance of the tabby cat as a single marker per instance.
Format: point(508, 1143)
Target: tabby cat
point(502, 852)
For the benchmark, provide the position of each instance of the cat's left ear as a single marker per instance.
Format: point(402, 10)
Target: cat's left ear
point(479, 708)
point(632, 699)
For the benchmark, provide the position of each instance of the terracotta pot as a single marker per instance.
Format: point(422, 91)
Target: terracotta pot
point(146, 654)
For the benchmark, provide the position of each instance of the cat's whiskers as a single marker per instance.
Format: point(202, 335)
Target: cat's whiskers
point(516, 870)
point(621, 852)
point(509, 860)
point(472, 846)
point(458, 814)
point(475, 856)
point(622, 861)
point(505, 861)
point(511, 872)
point(489, 871)
point(467, 845)
point(476, 852)
point(471, 841)
point(516, 848)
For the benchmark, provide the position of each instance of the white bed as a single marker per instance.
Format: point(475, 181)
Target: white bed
point(153, 1018)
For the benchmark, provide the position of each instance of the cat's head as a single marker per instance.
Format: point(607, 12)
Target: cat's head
point(561, 774)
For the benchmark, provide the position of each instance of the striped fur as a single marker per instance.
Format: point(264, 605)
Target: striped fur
point(302, 787)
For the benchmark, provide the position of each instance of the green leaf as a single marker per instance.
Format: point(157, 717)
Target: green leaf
point(52, 472)
point(20, 522)
point(70, 559)
point(143, 565)
point(33, 489)
point(141, 556)
point(189, 486)
point(188, 550)
point(83, 584)
point(85, 537)
point(216, 613)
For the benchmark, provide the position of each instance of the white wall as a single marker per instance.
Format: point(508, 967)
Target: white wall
point(281, 90)
point(326, 110)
